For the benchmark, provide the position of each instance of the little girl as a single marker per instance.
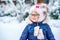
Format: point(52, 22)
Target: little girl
point(37, 29)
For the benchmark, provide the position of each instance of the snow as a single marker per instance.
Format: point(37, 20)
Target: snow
point(55, 27)
point(56, 32)
point(11, 29)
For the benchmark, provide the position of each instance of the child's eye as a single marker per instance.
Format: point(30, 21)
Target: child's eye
point(35, 14)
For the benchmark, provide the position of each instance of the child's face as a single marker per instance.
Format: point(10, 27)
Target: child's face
point(34, 16)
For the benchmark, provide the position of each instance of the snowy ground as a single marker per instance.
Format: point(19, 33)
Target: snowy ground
point(56, 32)
point(55, 27)
point(11, 29)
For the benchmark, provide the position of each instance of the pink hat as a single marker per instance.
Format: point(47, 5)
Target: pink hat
point(40, 9)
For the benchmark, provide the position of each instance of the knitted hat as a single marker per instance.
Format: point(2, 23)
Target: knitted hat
point(40, 9)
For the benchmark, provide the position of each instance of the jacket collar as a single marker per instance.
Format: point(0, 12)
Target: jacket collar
point(36, 23)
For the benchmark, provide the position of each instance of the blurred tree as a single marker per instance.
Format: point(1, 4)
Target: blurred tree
point(53, 15)
point(26, 15)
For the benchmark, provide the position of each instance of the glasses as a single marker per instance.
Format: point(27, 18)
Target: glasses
point(34, 14)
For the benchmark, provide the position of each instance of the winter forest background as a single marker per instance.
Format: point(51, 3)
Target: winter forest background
point(14, 12)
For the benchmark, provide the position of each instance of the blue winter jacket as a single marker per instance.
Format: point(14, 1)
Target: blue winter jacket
point(28, 32)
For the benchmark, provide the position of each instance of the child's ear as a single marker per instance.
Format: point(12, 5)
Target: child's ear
point(45, 14)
